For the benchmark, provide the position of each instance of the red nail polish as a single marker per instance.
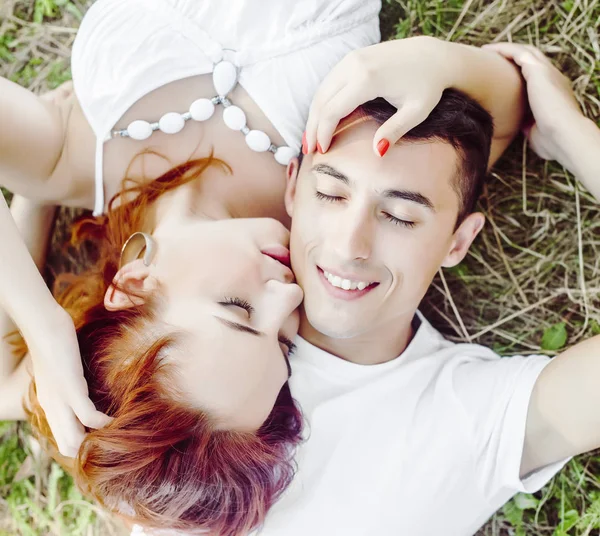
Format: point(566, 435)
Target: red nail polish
point(304, 144)
point(319, 148)
point(383, 146)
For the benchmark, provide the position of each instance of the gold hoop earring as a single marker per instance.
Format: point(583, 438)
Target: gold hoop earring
point(135, 245)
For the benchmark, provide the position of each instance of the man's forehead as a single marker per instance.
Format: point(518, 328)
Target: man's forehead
point(420, 161)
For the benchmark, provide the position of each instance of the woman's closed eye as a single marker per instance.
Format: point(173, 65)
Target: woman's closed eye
point(291, 347)
point(238, 302)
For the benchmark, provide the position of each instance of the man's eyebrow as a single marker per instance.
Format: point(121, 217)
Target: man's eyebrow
point(409, 195)
point(332, 172)
point(239, 327)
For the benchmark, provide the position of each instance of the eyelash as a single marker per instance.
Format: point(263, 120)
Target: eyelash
point(290, 345)
point(238, 302)
point(328, 198)
point(396, 221)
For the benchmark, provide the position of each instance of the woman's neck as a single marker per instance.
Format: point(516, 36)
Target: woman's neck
point(186, 202)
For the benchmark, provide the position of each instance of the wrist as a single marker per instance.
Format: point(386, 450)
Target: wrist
point(577, 139)
point(451, 64)
point(44, 320)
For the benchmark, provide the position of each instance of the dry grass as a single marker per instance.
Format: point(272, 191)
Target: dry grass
point(534, 271)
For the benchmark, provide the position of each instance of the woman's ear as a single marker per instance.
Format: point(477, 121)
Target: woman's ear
point(290, 191)
point(130, 287)
point(463, 238)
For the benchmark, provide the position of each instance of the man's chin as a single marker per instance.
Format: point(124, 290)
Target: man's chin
point(334, 328)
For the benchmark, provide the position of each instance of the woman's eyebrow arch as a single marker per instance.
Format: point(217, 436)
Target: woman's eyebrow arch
point(239, 327)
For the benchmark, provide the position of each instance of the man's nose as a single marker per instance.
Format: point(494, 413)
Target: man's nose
point(352, 236)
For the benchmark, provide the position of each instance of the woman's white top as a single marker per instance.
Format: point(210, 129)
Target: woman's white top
point(282, 50)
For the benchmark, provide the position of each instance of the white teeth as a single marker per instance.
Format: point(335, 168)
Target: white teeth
point(346, 284)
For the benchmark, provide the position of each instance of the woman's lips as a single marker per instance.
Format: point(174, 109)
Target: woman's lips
point(279, 253)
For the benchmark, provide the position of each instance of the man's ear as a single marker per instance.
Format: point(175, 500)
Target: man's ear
point(463, 238)
point(130, 287)
point(292, 179)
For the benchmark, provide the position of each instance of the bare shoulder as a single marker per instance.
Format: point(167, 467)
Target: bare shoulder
point(72, 180)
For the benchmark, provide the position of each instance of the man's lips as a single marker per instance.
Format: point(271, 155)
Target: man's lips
point(342, 294)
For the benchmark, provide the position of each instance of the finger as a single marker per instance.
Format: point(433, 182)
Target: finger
point(68, 432)
point(89, 416)
point(538, 54)
point(520, 54)
point(405, 119)
point(333, 83)
point(315, 116)
point(341, 105)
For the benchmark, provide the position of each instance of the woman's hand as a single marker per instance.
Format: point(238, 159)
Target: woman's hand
point(60, 384)
point(51, 340)
point(553, 105)
point(410, 74)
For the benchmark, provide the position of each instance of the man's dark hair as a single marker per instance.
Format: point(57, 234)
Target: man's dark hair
point(459, 121)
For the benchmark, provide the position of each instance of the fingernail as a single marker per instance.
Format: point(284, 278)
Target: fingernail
point(304, 144)
point(319, 148)
point(382, 146)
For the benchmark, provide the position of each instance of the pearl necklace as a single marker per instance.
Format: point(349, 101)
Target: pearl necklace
point(225, 78)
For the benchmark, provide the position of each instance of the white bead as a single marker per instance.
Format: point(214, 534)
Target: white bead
point(224, 77)
point(284, 154)
point(171, 123)
point(202, 109)
point(234, 118)
point(258, 141)
point(139, 130)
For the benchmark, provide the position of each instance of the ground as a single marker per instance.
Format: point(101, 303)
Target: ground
point(531, 283)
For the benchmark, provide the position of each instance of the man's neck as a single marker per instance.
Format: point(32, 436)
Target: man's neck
point(378, 346)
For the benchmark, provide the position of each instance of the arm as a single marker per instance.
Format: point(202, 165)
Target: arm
point(24, 295)
point(30, 125)
point(412, 74)
point(563, 417)
point(44, 126)
point(51, 339)
point(496, 84)
point(34, 222)
point(564, 413)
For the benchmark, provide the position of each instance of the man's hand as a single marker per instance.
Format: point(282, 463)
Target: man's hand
point(60, 384)
point(559, 131)
point(551, 99)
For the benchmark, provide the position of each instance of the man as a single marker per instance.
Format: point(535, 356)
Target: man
point(407, 433)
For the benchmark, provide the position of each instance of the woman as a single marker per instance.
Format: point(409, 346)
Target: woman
point(191, 435)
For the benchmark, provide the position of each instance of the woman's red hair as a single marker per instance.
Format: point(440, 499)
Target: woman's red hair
point(160, 463)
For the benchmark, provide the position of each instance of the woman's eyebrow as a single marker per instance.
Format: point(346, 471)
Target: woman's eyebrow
point(239, 327)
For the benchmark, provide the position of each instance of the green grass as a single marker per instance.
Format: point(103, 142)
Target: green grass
point(36, 496)
point(528, 284)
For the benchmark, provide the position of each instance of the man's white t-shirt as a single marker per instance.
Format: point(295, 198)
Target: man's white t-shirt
point(424, 445)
